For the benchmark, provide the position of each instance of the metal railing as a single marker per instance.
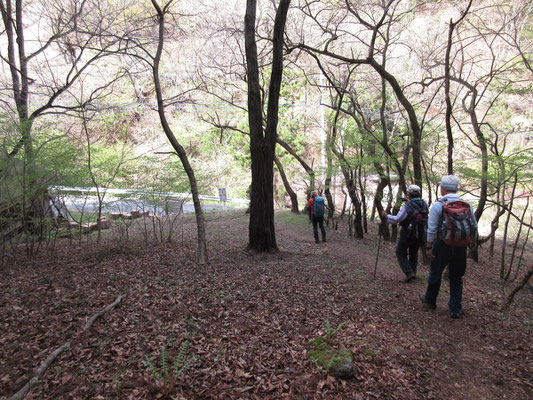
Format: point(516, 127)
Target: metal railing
point(135, 192)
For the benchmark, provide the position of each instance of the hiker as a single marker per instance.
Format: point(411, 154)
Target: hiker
point(413, 213)
point(310, 206)
point(318, 209)
point(452, 226)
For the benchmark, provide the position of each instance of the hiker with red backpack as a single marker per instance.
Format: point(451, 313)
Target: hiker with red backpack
point(452, 226)
point(318, 209)
point(412, 218)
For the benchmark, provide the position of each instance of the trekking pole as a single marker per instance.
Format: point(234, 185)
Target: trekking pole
point(377, 254)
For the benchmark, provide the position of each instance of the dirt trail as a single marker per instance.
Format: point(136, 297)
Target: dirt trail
point(478, 356)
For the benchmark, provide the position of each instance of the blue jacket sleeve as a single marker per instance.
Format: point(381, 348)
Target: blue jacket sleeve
point(434, 221)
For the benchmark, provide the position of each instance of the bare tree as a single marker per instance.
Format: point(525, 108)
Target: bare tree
point(45, 61)
point(162, 12)
point(374, 29)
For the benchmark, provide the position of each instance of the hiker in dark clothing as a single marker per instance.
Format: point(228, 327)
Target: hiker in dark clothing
point(318, 209)
point(452, 227)
point(409, 242)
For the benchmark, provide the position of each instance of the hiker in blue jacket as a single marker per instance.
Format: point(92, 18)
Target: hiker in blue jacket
point(408, 244)
point(318, 210)
point(443, 250)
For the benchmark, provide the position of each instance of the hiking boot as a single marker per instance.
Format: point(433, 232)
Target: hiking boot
point(317, 241)
point(456, 315)
point(324, 240)
point(409, 278)
point(427, 304)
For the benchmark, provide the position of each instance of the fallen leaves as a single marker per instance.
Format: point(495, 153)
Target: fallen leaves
point(248, 320)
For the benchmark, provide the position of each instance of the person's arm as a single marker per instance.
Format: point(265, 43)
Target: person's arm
point(433, 226)
point(395, 219)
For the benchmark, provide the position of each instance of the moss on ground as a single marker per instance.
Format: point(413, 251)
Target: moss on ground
point(339, 362)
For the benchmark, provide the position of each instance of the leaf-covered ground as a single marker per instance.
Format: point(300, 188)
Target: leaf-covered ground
point(248, 320)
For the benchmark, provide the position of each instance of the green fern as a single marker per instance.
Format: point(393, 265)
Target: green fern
point(330, 331)
point(164, 363)
point(152, 368)
point(167, 372)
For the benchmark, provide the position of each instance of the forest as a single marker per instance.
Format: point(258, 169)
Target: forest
point(157, 158)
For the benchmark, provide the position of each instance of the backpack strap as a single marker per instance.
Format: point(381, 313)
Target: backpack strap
point(412, 210)
point(441, 219)
point(415, 205)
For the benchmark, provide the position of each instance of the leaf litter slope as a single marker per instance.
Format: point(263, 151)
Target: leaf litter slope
point(248, 319)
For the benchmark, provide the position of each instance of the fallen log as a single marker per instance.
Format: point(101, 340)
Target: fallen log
point(38, 372)
point(100, 313)
point(50, 359)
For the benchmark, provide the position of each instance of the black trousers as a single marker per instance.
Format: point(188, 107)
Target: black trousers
point(455, 259)
point(319, 221)
point(407, 253)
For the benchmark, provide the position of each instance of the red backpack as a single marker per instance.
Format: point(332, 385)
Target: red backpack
point(457, 223)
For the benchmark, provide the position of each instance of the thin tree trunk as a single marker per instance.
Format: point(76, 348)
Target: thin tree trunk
point(348, 173)
point(517, 239)
point(292, 195)
point(302, 162)
point(344, 203)
point(327, 181)
point(449, 108)
point(505, 275)
point(201, 254)
point(447, 68)
point(484, 165)
point(363, 196)
point(383, 183)
point(416, 130)
point(356, 203)
point(525, 279)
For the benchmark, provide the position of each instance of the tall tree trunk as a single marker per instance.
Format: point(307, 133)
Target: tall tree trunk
point(378, 197)
point(362, 186)
point(201, 254)
point(482, 141)
point(448, 116)
point(344, 203)
point(482, 144)
point(384, 179)
point(356, 203)
point(290, 192)
point(262, 235)
point(505, 275)
point(392, 209)
point(447, 68)
point(327, 181)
